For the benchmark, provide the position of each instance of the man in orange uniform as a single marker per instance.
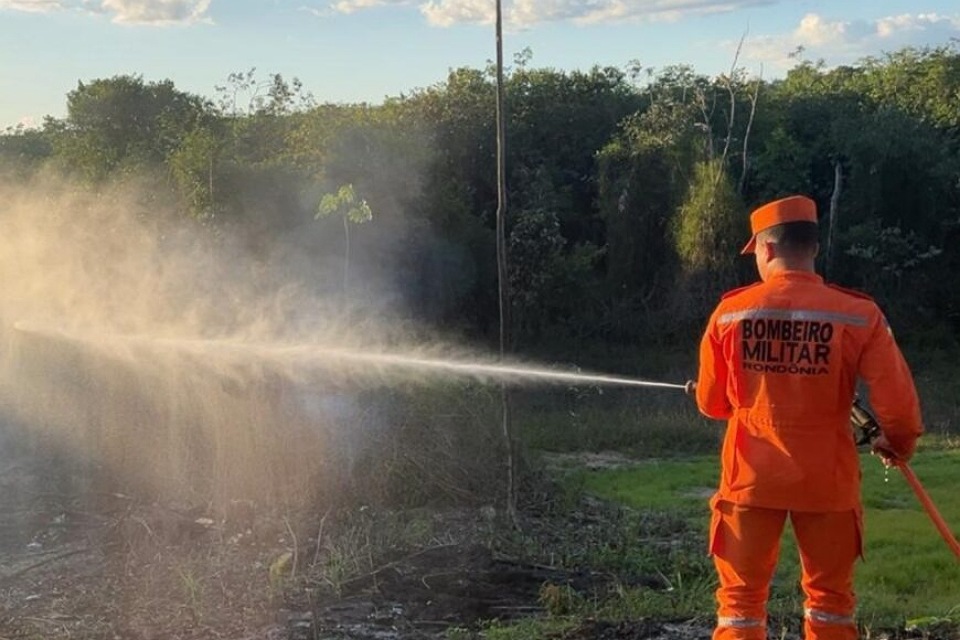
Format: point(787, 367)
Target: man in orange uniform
point(780, 361)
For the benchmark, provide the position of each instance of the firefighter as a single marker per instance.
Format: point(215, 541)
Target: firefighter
point(780, 360)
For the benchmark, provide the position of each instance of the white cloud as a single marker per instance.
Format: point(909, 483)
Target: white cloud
point(32, 6)
point(924, 23)
point(352, 6)
point(526, 13)
point(844, 42)
point(157, 12)
point(445, 13)
point(815, 31)
point(151, 12)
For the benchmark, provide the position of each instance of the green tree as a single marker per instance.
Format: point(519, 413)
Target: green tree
point(923, 82)
point(351, 209)
point(642, 172)
point(707, 231)
point(123, 124)
point(558, 121)
point(194, 167)
point(24, 149)
point(709, 221)
point(244, 94)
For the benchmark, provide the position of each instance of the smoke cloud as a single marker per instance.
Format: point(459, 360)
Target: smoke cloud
point(172, 353)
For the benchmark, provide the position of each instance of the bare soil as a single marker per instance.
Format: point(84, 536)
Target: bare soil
point(147, 572)
point(88, 565)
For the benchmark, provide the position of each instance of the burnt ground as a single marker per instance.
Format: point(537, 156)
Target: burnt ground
point(90, 565)
point(78, 561)
point(147, 572)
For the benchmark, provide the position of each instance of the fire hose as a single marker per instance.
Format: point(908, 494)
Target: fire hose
point(869, 430)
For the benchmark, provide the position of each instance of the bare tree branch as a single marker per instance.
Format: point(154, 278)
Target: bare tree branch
point(729, 83)
point(746, 135)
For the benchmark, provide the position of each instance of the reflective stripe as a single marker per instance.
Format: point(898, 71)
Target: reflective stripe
point(825, 617)
point(738, 623)
point(793, 314)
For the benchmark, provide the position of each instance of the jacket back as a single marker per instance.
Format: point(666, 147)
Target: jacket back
point(780, 361)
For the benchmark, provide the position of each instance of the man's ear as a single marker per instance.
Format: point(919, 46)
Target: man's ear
point(770, 250)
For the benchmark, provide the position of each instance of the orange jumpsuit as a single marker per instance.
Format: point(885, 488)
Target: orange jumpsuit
point(779, 361)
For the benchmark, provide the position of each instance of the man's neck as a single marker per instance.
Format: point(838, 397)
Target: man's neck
point(781, 265)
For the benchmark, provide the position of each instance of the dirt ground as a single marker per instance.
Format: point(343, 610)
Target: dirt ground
point(83, 565)
point(145, 572)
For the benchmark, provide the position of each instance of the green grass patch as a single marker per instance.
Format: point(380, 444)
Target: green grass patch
point(909, 573)
point(522, 630)
point(681, 486)
point(640, 426)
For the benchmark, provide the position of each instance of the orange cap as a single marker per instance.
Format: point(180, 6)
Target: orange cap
point(792, 209)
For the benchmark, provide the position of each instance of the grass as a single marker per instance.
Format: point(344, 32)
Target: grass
point(909, 577)
point(909, 574)
point(909, 570)
point(660, 422)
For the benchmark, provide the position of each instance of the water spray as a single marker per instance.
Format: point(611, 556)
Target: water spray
point(499, 371)
point(373, 360)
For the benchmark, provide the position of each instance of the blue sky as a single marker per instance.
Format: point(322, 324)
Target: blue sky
point(364, 50)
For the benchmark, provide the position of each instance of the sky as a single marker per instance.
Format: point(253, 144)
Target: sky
point(365, 50)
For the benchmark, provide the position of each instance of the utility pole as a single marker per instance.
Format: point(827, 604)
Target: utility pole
point(502, 276)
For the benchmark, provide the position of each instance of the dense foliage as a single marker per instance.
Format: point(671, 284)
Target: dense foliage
point(628, 193)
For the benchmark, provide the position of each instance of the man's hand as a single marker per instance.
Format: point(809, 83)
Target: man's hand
point(690, 388)
point(881, 447)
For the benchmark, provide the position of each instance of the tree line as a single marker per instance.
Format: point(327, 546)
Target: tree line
point(629, 189)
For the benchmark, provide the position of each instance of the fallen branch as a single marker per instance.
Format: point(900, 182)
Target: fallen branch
point(316, 553)
point(373, 574)
point(45, 561)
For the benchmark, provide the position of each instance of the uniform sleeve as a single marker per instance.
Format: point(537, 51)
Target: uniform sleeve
point(712, 377)
point(893, 395)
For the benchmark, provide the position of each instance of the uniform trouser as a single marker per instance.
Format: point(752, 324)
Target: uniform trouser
point(745, 544)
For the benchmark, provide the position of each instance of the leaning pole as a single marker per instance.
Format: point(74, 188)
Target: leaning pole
point(502, 278)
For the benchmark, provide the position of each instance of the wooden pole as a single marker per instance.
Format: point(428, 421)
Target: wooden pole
point(502, 275)
point(834, 212)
